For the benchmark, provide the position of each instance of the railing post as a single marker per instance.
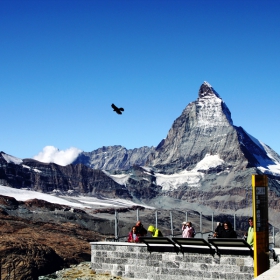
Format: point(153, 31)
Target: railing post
point(273, 234)
point(156, 218)
point(116, 225)
point(171, 224)
point(137, 214)
point(234, 221)
point(187, 216)
point(212, 221)
point(201, 224)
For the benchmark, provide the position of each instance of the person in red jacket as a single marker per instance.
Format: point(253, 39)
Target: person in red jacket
point(132, 236)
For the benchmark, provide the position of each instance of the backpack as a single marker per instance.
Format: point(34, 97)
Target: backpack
point(159, 233)
point(194, 233)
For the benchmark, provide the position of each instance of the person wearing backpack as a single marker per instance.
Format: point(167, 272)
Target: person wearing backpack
point(154, 231)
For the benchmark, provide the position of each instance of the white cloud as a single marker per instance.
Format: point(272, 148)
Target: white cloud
point(53, 154)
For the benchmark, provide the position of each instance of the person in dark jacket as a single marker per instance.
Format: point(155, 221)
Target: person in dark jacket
point(228, 231)
point(140, 230)
point(218, 230)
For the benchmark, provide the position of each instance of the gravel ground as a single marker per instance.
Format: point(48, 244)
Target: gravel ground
point(81, 271)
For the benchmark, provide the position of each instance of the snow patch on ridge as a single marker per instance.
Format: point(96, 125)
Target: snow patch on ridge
point(12, 159)
point(191, 178)
point(73, 201)
point(267, 166)
point(23, 195)
point(207, 84)
point(209, 161)
point(121, 179)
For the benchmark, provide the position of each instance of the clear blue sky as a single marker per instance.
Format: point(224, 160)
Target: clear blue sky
point(62, 64)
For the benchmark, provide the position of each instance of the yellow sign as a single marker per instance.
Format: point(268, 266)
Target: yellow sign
point(260, 216)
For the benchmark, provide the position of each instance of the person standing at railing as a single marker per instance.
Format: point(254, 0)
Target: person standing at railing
point(154, 231)
point(250, 233)
point(132, 236)
point(218, 230)
point(140, 230)
point(228, 231)
point(188, 231)
point(184, 225)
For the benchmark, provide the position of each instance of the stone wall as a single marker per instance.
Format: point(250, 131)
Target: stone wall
point(133, 261)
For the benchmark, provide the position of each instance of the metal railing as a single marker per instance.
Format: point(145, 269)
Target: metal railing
point(201, 232)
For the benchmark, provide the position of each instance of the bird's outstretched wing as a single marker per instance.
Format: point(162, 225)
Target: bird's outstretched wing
point(116, 109)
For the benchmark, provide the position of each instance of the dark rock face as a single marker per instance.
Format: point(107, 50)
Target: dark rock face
point(142, 184)
point(114, 157)
point(70, 179)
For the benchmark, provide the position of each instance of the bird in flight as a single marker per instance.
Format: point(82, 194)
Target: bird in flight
point(117, 110)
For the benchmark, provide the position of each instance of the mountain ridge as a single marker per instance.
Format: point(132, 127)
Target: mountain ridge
point(203, 154)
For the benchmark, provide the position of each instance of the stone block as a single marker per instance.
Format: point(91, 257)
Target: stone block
point(118, 267)
point(96, 266)
point(105, 247)
point(179, 258)
point(240, 262)
point(119, 261)
point(246, 269)
point(101, 254)
point(207, 275)
point(171, 264)
point(230, 276)
point(169, 257)
point(143, 256)
point(137, 262)
point(249, 261)
point(196, 273)
point(112, 254)
point(222, 275)
point(127, 255)
point(128, 274)
point(97, 260)
point(245, 276)
point(214, 267)
point(204, 267)
point(146, 269)
point(215, 275)
point(107, 266)
point(116, 273)
point(153, 263)
point(140, 275)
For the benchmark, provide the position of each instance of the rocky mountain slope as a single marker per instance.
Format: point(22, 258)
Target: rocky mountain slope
point(71, 179)
point(114, 157)
point(36, 244)
point(205, 162)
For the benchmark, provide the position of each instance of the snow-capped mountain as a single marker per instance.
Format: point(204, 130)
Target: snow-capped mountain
point(205, 161)
point(205, 128)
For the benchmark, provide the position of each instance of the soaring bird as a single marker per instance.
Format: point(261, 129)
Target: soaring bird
point(117, 110)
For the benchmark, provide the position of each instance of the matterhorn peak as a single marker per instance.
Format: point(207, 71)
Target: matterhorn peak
point(206, 90)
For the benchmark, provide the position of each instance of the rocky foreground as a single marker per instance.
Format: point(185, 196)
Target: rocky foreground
point(30, 248)
point(38, 238)
point(81, 271)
